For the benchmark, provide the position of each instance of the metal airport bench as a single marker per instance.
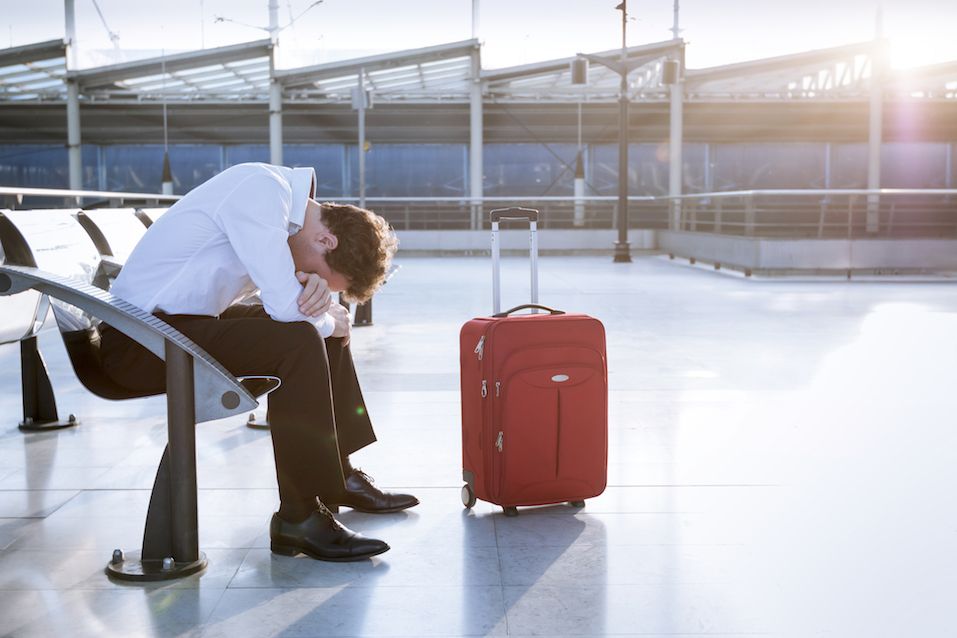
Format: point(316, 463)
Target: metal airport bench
point(198, 388)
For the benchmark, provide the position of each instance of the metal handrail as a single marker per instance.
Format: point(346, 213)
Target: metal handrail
point(771, 192)
point(785, 192)
point(19, 192)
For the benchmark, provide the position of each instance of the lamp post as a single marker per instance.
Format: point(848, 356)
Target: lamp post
point(622, 247)
point(622, 67)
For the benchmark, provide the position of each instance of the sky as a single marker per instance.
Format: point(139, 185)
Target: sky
point(512, 31)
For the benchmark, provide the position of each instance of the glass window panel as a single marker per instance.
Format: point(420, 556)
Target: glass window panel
point(648, 169)
point(412, 170)
point(849, 166)
point(134, 168)
point(34, 165)
point(760, 166)
point(529, 169)
point(913, 165)
point(193, 164)
point(693, 160)
point(241, 153)
point(328, 161)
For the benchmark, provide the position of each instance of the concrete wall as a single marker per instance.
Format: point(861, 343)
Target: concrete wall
point(769, 255)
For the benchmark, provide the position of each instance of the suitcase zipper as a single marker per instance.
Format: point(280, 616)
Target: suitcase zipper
point(480, 348)
point(484, 388)
point(500, 440)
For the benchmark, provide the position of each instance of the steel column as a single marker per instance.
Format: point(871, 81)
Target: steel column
point(275, 119)
point(676, 141)
point(875, 136)
point(476, 139)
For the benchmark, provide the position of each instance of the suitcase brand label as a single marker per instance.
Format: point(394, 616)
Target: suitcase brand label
point(560, 378)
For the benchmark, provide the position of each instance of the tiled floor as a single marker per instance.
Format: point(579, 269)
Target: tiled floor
point(781, 463)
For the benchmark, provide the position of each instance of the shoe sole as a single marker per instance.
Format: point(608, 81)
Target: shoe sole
point(335, 509)
point(288, 550)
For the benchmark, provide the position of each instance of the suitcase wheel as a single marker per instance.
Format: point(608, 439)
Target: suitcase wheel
point(577, 503)
point(468, 496)
point(510, 511)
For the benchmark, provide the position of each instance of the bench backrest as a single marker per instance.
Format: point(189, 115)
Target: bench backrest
point(57, 242)
point(119, 228)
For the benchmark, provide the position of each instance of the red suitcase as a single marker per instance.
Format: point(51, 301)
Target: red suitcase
point(534, 399)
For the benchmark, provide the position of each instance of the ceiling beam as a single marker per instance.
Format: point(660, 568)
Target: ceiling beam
point(32, 53)
point(106, 75)
point(410, 57)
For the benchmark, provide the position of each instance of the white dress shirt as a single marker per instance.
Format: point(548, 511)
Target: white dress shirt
point(220, 243)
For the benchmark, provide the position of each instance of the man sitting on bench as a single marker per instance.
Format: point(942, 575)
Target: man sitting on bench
point(257, 226)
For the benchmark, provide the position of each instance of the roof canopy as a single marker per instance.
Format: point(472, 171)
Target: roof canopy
point(442, 73)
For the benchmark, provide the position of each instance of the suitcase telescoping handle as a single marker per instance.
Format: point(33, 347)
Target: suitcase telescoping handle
point(497, 215)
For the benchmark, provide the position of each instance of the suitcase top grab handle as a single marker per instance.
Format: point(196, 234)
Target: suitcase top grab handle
point(516, 212)
point(551, 311)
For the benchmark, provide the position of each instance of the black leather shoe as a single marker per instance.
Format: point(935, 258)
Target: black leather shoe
point(321, 537)
point(362, 496)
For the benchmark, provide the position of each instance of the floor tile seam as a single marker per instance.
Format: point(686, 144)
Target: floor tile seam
point(239, 564)
point(501, 580)
point(661, 545)
point(212, 610)
point(340, 587)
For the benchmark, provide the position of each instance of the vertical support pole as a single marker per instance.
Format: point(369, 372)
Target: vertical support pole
point(73, 134)
point(875, 138)
point(579, 218)
point(39, 402)
point(675, 144)
point(181, 425)
point(275, 122)
point(275, 88)
point(476, 139)
point(475, 18)
point(74, 158)
point(275, 116)
point(171, 538)
point(622, 248)
point(360, 103)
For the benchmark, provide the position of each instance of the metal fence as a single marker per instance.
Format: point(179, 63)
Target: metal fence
point(825, 213)
point(821, 213)
point(555, 212)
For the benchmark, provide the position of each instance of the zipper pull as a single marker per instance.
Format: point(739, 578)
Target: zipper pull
point(484, 388)
point(498, 388)
point(499, 440)
point(479, 349)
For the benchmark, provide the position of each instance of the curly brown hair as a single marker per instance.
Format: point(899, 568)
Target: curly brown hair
point(365, 249)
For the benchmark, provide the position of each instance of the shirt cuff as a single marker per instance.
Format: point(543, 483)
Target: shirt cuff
point(325, 325)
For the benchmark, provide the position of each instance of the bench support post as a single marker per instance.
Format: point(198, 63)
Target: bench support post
point(39, 403)
point(363, 314)
point(171, 539)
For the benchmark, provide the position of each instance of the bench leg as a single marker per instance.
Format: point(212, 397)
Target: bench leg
point(39, 403)
point(363, 314)
point(256, 424)
point(171, 539)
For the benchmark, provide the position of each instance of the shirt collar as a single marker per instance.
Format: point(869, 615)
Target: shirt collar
point(302, 181)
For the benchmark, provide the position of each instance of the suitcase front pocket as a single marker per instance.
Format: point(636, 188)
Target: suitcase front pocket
point(554, 437)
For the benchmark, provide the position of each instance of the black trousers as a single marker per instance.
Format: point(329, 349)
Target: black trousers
point(317, 416)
